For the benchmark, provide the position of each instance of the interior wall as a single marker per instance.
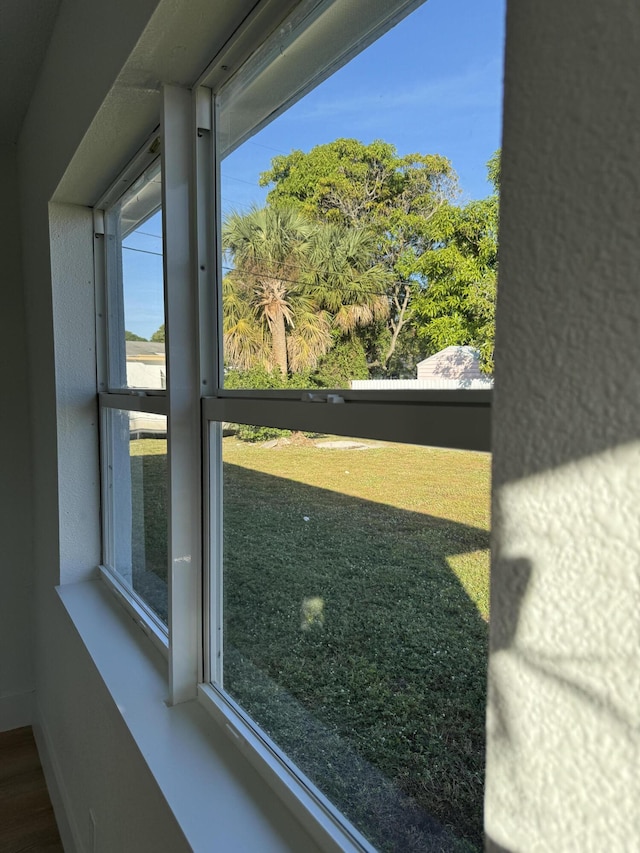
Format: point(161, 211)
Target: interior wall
point(16, 532)
point(91, 759)
point(563, 734)
point(106, 797)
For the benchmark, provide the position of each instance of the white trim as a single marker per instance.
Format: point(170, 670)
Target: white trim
point(184, 442)
point(261, 20)
point(106, 454)
point(114, 323)
point(217, 799)
point(145, 156)
point(214, 577)
point(205, 191)
point(16, 710)
point(60, 800)
point(323, 821)
point(99, 276)
point(137, 609)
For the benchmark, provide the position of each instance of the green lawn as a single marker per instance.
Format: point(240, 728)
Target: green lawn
point(372, 616)
point(356, 602)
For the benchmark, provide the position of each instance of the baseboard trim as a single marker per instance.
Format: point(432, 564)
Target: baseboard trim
point(16, 710)
point(57, 791)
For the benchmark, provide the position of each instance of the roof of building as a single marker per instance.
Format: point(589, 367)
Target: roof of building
point(148, 352)
point(454, 362)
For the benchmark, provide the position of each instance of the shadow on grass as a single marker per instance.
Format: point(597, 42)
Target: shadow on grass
point(352, 643)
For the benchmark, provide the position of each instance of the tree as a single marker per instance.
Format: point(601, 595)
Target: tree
point(457, 304)
point(158, 335)
point(371, 186)
point(131, 336)
point(346, 360)
point(293, 286)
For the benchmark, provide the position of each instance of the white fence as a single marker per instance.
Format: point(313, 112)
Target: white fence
point(421, 384)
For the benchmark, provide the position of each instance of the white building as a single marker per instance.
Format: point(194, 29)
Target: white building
point(453, 368)
point(146, 364)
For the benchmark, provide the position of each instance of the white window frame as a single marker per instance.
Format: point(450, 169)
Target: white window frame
point(196, 406)
point(460, 419)
point(108, 286)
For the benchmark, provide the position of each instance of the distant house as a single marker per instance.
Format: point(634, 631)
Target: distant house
point(460, 365)
point(146, 368)
point(146, 364)
point(453, 368)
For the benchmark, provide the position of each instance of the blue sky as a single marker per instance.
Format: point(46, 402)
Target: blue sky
point(431, 85)
point(142, 278)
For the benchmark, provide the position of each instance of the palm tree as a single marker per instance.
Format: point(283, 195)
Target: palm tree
point(292, 283)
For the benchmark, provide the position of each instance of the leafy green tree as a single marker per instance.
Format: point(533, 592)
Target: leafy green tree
point(371, 186)
point(346, 360)
point(457, 304)
point(158, 335)
point(260, 377)
point(131, 336)
point(293, 284)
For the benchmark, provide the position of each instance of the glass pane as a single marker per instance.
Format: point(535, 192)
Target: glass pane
point(356, 590)
point(360, 224)
point(136, 288)
point(137, 500)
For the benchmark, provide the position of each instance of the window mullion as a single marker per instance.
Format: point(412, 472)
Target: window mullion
point(207, 230)
point(455, 425)
point(115, 303)
point(183, 384)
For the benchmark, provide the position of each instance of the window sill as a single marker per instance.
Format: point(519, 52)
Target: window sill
point(212, 791)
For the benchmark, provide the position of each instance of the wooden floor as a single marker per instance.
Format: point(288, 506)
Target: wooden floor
point(27, 823)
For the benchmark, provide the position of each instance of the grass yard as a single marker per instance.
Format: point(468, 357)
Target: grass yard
point(356, 608)
point(149, 522)
point(356, 601)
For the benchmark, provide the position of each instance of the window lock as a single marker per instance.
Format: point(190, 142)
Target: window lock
point(314, 397)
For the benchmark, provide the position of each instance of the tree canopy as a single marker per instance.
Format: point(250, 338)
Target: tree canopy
point(158, 335)
point(360, 258)
point(371, 186)
point(295, 284)
point(457, 305)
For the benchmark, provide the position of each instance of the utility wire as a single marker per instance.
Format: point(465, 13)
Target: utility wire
point(142, 251)
point(299, 281)
point(149, 234)
point(232, 269)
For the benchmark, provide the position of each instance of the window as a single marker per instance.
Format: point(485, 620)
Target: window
point(132, 376)
point(298, 421)
point(136, 303)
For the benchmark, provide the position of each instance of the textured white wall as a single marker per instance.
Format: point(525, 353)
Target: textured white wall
point(16, 563)
point(87, 744)
point(563, 725)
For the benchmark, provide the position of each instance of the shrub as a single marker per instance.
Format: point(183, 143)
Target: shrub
point(259, 378)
